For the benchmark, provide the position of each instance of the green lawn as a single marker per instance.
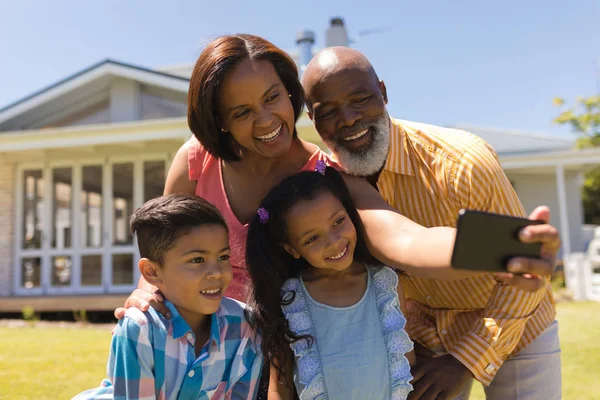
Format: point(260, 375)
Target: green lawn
point(51, 363)
point(57, 363)
point(579, 326)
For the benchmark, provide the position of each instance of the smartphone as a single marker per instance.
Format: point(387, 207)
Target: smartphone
point(486, 241)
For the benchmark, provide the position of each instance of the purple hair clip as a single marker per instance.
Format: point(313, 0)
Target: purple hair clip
point(263, 214)
point(321, 166)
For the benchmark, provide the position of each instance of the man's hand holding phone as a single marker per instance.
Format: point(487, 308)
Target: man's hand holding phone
point(520, 252)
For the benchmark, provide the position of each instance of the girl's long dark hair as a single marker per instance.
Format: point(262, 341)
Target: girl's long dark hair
point(269, 265)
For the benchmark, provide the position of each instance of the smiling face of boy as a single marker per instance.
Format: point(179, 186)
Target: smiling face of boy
point(195, 272)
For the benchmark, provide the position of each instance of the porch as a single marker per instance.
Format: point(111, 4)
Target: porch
point(555, 179)
point(71, 191)
point(102, 302)
point(67, 194)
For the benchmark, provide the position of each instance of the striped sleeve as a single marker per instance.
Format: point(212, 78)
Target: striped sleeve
point(131, 361)
point(482, 184)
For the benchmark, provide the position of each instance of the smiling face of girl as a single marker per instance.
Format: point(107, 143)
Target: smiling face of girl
point(320, 231)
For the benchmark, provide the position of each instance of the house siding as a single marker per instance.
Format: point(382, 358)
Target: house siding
point(536, 189)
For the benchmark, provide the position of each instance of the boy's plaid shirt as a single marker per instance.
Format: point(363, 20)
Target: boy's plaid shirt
point(153, 358)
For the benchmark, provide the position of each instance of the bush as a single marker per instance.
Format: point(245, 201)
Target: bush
point(29, 314)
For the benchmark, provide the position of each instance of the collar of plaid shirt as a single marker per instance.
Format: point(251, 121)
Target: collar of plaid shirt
point(181, 328)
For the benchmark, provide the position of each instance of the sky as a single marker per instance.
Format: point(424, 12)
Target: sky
point(495, 64)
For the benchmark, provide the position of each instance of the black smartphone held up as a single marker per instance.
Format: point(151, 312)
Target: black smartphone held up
point(486, 241)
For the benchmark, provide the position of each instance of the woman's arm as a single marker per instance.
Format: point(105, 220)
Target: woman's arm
point(178, 179)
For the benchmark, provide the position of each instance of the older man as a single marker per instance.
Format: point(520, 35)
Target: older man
point(500, 330)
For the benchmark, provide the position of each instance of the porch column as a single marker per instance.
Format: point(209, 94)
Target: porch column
point(7, 221)
point(562, 209)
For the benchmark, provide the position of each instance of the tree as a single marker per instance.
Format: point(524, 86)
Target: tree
point(585, 121)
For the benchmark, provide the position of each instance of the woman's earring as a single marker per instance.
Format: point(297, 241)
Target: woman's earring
point(223, 130)
point(290, 95)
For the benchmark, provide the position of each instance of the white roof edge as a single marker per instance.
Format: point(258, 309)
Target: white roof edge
point(149, 77)
point(511, 131)
point(108, 68)
point(168, 67)
point(549, 152)
point(572, 157)
point(159, 123)
point(52, 93)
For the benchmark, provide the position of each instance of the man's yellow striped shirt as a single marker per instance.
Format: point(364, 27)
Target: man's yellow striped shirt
point(430, 174)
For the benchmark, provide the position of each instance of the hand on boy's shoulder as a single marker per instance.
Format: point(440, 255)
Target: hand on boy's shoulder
point(136, 320)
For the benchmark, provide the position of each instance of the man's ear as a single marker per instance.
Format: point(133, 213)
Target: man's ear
point(150, 271)
point(291, 251)
point(383, 91)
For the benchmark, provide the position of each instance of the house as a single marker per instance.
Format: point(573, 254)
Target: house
point(77, 157)
point(545, 170)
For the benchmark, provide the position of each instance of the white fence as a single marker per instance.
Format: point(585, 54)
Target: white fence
point(581, 280)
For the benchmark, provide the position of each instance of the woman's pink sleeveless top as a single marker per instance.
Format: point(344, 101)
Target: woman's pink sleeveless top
point(206, 171)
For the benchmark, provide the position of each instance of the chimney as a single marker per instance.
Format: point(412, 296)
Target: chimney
point(336, 34)
point(305, 40)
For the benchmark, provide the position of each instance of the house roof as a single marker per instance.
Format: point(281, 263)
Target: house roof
point(91, 80)
point(107, 61)
point(182, 70)
point(185, 69)
point(571, 158)
point(511, 141)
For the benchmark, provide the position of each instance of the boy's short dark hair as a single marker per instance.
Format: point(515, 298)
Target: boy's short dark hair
point(160, 222)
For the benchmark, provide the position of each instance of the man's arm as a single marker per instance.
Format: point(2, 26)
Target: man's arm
point(492, 339)
point(426, 252)
point(398, 241)
point(131, 362)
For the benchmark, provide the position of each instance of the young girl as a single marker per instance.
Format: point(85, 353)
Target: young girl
point(342, 316)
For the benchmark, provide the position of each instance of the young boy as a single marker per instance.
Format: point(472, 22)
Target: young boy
point(207, 349)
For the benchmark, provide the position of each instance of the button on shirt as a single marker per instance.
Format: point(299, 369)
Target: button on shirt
point(152, 357)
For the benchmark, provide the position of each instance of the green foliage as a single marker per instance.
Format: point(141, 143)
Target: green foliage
point(29, 314)
point(80, 315)
point(584, 120)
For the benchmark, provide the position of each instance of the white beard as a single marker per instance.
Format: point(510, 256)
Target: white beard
point(370, 159)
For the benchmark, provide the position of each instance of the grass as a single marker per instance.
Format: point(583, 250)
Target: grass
point(579, 325)
point(57, 363)
point(51, 363)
